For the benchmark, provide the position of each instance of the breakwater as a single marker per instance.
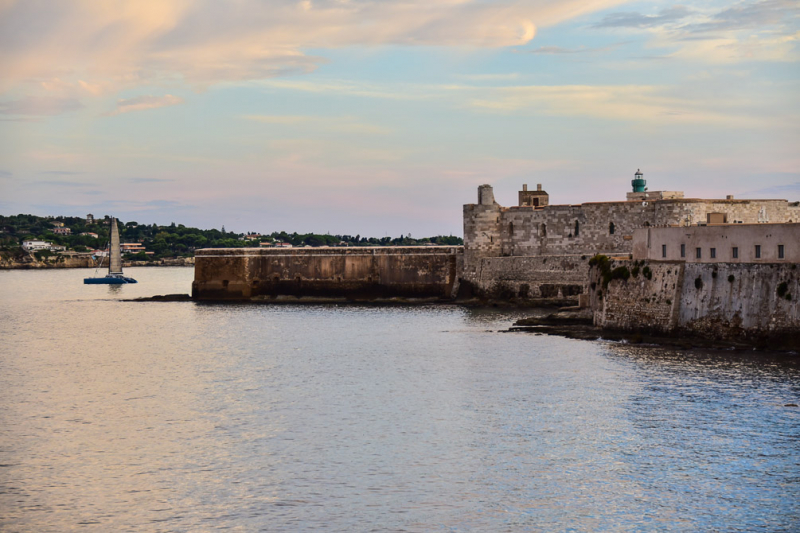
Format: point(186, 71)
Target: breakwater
point(360, 273)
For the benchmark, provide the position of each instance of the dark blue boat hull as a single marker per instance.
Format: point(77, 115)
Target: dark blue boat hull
point(108, 280)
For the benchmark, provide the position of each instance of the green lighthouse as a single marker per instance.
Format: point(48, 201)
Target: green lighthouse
point(638, 182)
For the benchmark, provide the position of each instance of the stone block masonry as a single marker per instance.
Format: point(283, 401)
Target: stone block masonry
point(359, 273)
point(743, 301)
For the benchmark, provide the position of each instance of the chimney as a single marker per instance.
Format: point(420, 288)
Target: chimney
point(524, 186)
point(538, 186)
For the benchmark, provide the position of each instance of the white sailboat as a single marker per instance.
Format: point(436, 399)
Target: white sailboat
point(114, 276)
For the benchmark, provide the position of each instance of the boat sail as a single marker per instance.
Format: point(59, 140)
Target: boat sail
point(114, 276)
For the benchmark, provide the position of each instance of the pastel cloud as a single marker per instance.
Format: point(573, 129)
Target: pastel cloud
point(39, 106)
point(126, 42)
point(762, 30)
point(141, 103)
point(614, 102)
point(334, 124)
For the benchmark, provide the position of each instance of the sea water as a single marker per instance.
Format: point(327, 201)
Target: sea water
point(180, 416)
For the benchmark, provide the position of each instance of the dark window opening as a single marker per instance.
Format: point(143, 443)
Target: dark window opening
point(735, 252)
point(577, 228)
point(663, 250)
point(699, 252)
point(758, 251)
point(543, 230)
point(683, 250)
point(511, 229)
point(713, 253)
point(780, 251)
point(535, 202)
point(611, 228)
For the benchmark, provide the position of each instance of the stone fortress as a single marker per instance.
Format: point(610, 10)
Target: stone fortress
point(540, 250)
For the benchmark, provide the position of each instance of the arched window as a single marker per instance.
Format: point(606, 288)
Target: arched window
point(611, 228)
point(577, 228)
point(543, 230)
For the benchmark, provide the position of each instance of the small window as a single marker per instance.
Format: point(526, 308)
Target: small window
point(735, 252)
point(543, 230)
point(699, 252)
point(713, 253)
point(611, 228)
point(511, 229)
point(780, 251)
point(663, 250)
point(577, 228)
point(758, 251)
point(683, 250)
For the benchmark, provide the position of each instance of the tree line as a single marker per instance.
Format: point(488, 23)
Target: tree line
point(175, 240)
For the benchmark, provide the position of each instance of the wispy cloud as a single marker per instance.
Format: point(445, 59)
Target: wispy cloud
point(558, 50)
point(490, 77)
point(39, 105)
point(150, 180)
point(764, 30)
point(141, 103)
point(337, 124)
point(747, 16)
point(633, 103)
point(61, 172)
point(789, 188)
point(60, 183)
point(637, 20)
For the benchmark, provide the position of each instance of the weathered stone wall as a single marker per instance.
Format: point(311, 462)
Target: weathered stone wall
point(379, 272)
point(723, 300)
point(740, 299)
point(523, 278)
point(647, 301)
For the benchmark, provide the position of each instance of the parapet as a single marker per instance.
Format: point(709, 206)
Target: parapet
point(654, 195)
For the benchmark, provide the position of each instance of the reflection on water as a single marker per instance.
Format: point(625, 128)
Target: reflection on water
point(176, 416)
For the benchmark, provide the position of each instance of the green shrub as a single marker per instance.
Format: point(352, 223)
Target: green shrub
point(635, 271)
point(646, 272)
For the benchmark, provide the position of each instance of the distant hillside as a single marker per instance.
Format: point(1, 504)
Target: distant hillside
point(173, 240)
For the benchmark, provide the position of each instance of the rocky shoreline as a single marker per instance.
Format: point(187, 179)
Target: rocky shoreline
point(574, 323)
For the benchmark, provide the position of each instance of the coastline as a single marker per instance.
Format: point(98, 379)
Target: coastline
point(87, 262)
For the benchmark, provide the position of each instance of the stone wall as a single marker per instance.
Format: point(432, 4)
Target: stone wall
point(525, 278)
point(364, 273)
point(722, 301)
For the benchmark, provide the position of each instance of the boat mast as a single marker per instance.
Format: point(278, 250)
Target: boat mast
point(114, 254)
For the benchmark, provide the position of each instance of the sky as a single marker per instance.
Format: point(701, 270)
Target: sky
point(378, 117)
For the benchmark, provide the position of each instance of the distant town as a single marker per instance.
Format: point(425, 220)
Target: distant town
point(47, 237)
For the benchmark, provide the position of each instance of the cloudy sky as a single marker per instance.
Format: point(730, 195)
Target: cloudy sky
point(381, 117)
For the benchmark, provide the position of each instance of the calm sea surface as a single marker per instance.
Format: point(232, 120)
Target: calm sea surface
point(125, 416)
